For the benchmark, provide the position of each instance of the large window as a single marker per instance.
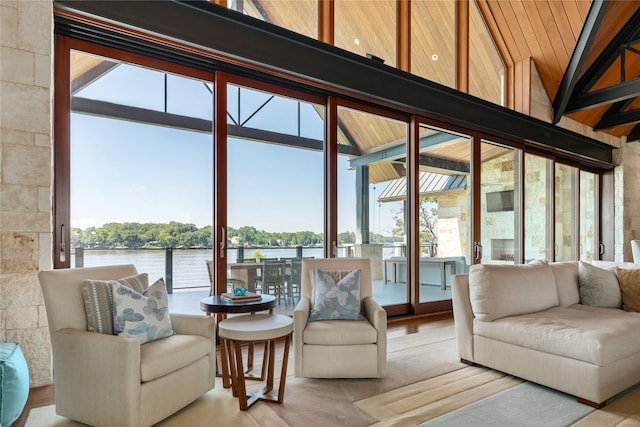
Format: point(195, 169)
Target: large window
point(186, 166)
point(589, 217)
point(444, 210)
point(566, 212)
point(372, 157)
point(499, 201)
point(274, 191)
point(538, 208)
point(139, 183)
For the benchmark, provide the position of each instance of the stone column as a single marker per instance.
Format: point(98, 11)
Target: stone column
point(26, 40)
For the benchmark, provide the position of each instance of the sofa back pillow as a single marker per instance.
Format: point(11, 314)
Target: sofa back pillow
point(498, 291)
point(599, 286)
point(566, 276)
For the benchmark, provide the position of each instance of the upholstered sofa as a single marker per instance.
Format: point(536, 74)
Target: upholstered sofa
point(528, 321)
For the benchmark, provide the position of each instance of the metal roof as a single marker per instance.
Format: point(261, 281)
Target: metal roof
point(430, 184)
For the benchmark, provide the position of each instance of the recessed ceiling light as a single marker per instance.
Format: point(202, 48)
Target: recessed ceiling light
point(356, 41)
point(434, 57)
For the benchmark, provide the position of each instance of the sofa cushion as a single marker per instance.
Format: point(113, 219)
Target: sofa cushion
point(506, 290)
point(164, 356)
point(630, 286)
point(598, 286)
point(566, 276)
point(592, 334)
point(340, 332)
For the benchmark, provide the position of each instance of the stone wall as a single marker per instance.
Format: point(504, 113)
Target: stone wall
point(454, 229)
point(26, 40)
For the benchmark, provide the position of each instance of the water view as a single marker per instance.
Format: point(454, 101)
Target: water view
point(189, 265)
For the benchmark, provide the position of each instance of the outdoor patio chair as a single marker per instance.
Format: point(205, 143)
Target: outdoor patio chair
point(273, 279)
point(232, 282)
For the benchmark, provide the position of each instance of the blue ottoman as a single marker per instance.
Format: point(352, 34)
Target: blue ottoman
point(14, 382)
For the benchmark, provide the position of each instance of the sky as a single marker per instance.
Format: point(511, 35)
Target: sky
point(130, 172)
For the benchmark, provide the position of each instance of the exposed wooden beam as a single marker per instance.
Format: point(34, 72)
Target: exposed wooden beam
point(634, 135)
point(608, 95)
point(608, 55)
point(462, 45)
point(578, 58)
point(326, 21)
point(621, 118)
point(403, 35)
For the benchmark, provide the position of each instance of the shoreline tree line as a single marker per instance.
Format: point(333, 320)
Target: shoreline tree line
point(134, 235)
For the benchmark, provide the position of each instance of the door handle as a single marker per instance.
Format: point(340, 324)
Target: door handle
point(62, 246)
point(478, 250)
point(223, 241)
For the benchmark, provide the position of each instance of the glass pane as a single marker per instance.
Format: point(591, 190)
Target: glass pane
point(100, 79)
point(499, 204)
point(589, 226)
point(538, 210)
point(367, 26)
point(372, 199)
point(433, 40)
point(141, 192)
point(445, 211)
point(300, 16)
point(566, 188)
point(253, 109)
point(486, 68)
point(275, 190)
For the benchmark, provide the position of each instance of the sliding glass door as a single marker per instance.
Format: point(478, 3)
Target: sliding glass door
point(499, 204)
point(372, 189)
point(275, 202)
point(444, 210)
point(140, 169)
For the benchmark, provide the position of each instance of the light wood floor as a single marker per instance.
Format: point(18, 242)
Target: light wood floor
point(43, 396)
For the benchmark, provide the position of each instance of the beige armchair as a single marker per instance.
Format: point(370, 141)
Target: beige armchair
point(108, 380)
point(339, 348)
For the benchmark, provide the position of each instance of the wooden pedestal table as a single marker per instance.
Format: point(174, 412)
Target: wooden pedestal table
point(250, 328)
point(221, 307)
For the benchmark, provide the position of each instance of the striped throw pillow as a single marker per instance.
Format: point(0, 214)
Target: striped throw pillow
point(98, 300)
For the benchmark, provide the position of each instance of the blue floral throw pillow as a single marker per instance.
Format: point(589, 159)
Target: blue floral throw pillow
point(144, 316)
point(336, 296)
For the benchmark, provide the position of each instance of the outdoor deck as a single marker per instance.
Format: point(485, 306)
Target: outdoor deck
point(188, 301)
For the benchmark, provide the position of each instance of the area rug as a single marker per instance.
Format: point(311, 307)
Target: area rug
point(424, 381)
point(531, 404)
point(477, 397)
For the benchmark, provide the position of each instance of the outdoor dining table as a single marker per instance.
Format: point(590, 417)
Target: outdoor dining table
point(247, 272)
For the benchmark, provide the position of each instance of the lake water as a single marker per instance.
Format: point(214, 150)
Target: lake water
point(189, 265)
